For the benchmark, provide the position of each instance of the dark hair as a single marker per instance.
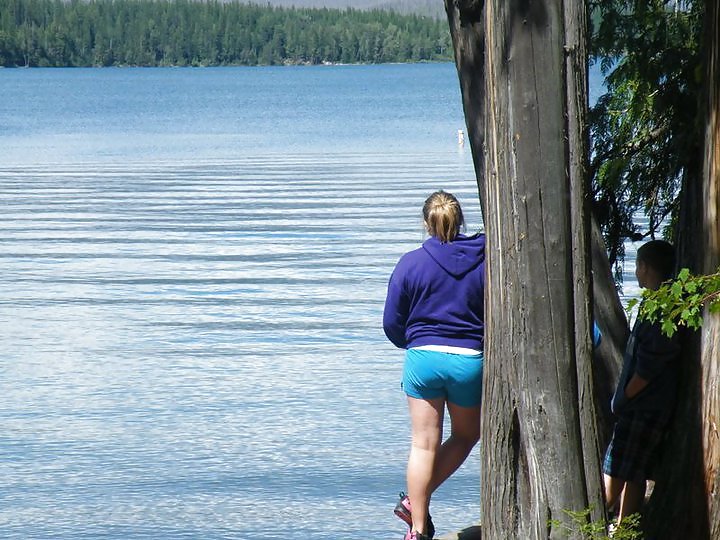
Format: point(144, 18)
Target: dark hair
point(443, 216)
point(660, 256)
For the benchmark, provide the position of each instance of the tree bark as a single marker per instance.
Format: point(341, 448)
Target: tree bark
point(539, 441)
point(710, 341)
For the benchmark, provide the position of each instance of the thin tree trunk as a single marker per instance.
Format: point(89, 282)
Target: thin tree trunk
point(539, 444)
point(577, 132)
point(610, 317)
point(466, 20)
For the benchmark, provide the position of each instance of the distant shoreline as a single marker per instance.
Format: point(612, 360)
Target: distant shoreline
point(289, 65)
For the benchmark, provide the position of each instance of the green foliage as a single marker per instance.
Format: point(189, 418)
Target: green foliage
point(209, 33)
point(680, 302)
point(645, 132)
point(580, 524)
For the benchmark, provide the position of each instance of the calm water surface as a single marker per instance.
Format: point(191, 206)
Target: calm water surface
point(193, 266)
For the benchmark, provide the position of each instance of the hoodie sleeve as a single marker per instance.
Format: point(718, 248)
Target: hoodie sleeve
point(395, 315)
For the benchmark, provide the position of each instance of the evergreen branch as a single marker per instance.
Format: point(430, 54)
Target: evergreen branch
point(628, 149)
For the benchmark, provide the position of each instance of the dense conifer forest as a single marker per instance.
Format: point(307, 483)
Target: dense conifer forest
point(212, 33)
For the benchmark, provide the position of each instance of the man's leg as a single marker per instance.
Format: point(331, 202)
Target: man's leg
point(613, 488)
point(632, 499)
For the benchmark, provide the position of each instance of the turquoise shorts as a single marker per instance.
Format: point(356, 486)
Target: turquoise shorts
point(432, 375)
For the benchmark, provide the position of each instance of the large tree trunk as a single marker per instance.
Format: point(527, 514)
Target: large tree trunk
point(467, 27)
point(539, 440)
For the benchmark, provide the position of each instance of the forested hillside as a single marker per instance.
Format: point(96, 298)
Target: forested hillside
point(434, 8)
point(182, 33)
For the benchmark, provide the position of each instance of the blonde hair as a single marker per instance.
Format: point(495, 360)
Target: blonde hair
point(443, 216)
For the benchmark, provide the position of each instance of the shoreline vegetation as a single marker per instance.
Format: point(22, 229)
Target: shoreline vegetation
point(181, 33)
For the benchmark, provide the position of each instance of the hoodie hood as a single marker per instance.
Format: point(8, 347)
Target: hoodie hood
point(458, 257)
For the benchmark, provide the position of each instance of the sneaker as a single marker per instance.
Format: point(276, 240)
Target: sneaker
point(404, 512)
point(414, 535)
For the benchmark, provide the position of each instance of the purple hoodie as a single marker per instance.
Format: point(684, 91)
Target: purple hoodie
point(435, 295)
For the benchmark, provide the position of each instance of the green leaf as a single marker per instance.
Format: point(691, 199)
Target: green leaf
point(684, 275)
point(668, 327)
point(677, 289)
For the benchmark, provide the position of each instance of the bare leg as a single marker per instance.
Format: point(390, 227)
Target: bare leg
point(632, 499)
point(613, 489)
point(465, 432)
point(426, 417)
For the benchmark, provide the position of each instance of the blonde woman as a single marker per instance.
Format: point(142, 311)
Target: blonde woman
point(434, 309)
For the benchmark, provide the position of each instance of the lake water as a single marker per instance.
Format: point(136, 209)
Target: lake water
point(193, 266)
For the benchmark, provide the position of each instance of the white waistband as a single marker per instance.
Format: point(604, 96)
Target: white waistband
point(448, 349)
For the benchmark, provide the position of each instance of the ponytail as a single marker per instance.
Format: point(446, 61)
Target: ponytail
point(443, 216)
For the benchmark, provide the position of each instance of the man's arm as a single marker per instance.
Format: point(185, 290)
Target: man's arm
point(635, 385)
